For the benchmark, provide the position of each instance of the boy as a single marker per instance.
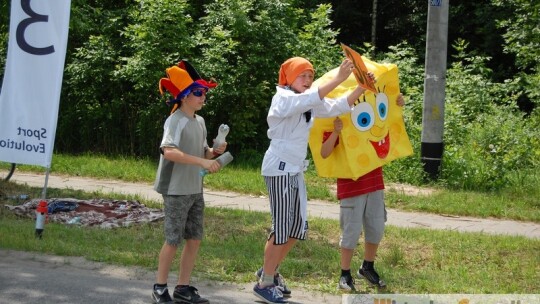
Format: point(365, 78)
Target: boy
point(361, 205)
point(289, 121)
point(184, 151)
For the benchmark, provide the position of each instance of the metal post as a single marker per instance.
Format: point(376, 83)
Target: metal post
point(44, 190)
point(434, 87)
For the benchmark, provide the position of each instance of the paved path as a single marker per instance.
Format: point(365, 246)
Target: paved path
point(316, 208)
point(29, 277)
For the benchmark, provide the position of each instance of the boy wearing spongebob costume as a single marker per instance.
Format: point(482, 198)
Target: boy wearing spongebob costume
point(353, 149)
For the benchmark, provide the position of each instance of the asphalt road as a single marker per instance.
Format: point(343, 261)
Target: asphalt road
point(27, 277)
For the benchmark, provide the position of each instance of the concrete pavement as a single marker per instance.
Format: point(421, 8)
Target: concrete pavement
point(316, 208)
point(29, 277)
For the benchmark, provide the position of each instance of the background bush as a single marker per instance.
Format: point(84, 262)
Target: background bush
point(118, 51)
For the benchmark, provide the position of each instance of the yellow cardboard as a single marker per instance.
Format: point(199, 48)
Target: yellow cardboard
point(373, 134)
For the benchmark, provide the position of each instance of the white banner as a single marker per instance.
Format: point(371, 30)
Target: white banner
point(30, 95)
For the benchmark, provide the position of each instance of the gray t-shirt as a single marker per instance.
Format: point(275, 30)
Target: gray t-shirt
point(189, 135)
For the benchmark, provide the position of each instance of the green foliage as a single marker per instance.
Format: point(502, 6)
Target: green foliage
point(486, 136)
point(4, 32)
point(317, 41)
point(407, 169)
point(243, 43)
point(112, 78)
point(522, 38)
point(118, 51)
point(489, 142)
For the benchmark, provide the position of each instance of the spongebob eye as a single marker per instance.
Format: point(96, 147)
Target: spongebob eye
point(382, 105)
point(363, 116)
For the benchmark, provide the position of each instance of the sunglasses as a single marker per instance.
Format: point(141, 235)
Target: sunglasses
point(198, 93)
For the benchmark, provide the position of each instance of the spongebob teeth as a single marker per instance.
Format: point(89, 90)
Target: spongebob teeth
point(382, 142)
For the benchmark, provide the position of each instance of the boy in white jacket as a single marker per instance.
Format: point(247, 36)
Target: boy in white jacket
point(289, 121)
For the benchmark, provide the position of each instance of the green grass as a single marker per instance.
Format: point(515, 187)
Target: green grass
point(502, 205)
point(410, 260)
point(243, 176)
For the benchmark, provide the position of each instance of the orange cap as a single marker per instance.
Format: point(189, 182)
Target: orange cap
point(293, 67)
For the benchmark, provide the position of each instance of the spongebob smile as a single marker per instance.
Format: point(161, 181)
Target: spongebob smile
point(382, 147)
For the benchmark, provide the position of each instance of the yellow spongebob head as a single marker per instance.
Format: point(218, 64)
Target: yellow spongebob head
point(373, 133)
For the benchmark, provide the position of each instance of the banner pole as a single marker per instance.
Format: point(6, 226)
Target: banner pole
point(44, 191)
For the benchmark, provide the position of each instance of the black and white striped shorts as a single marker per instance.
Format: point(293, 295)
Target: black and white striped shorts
point(285, 208)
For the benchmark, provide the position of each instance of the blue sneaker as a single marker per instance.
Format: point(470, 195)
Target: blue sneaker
point(279, 281)
point(269, 294)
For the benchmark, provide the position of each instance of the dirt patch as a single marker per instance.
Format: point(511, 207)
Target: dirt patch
point(401, 188)
point(410, 190)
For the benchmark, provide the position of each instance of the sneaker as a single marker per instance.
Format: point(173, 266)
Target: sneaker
point(269, 294)
point(188, 294)
point(279, 281)
point(346, 283)
point(161, 295)
point(371, 276)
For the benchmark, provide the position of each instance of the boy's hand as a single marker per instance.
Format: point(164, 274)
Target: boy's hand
point(220, 149)
point(211, 165)
point(371, 76)
point(400, 101)
point(338, 125)
point(345, 69)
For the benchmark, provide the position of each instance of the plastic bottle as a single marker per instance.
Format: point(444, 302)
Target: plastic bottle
point(220, 138)
point(224, 159)
point(75, 221)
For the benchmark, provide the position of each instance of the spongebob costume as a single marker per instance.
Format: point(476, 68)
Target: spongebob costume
point(373, 133)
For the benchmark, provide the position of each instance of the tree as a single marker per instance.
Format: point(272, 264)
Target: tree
point(522, 39)
point(243, 43)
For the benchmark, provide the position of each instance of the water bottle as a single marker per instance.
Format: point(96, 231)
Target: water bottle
point(220, 138)
point(224, 159)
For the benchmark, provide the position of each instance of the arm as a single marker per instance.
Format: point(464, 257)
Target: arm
point(344, 71)
point(211, 152)
point(175, 155)
point(328, 145)
point(358, 91)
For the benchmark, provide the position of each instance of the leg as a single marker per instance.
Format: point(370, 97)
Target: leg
point(166, 257)
point(283, 252)
point(346, 258)
point(187, 261)
point(374, 222)
point(370, 251)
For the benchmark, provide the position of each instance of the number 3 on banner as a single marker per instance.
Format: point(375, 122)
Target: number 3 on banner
point(21, 28)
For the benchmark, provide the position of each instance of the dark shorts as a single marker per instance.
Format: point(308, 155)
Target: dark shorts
point(184, 215)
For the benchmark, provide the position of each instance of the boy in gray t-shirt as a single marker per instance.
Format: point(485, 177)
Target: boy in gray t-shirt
point(184, 151)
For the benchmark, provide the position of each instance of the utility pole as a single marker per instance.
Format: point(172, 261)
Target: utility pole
point(432, 145)
point(374, 27)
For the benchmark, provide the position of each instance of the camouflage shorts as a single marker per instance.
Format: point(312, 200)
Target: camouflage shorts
point(184, 216)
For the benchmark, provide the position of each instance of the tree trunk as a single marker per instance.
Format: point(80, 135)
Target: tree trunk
point(374, 27)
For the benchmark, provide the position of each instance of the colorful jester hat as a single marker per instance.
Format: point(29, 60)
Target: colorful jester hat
point(180, 81)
